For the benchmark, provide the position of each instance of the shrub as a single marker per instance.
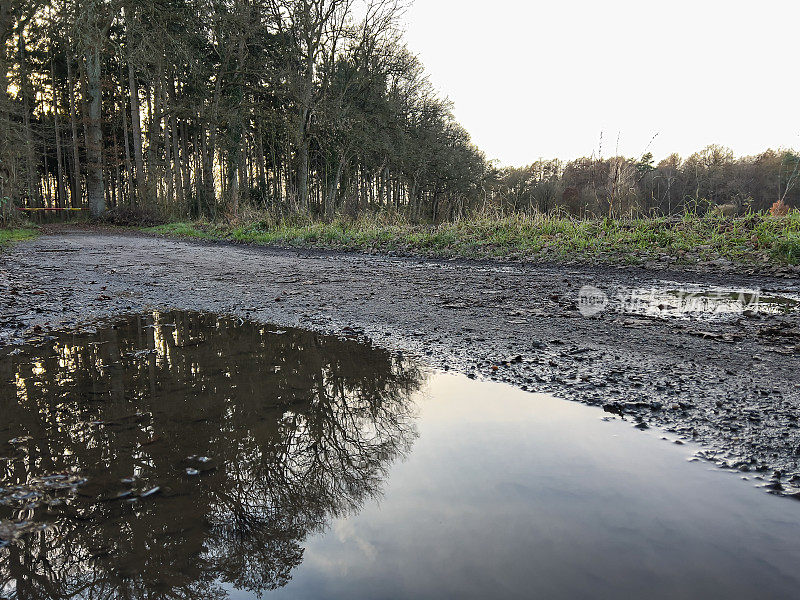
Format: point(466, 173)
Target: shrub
point(132, 216)
point(779, 209)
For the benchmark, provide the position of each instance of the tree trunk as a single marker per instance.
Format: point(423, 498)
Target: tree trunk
point(136, 133)
point(94, 135)
point(244, 171)
point(197, 160)
point(62, 200)
point(117, 188)
point(128, 164)
point(233, 180)
point(303, 137)
point(176, 155)
point(5, 124)
point(168, 162)
point(209, 191)
point(32, 184)
point(302, 176)
point(185, 166)
point(76, 162)
point(136, 123)
point(333, 188)
point(153, 130)
point(261, 161)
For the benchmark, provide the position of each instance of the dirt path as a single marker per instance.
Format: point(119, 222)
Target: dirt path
point(732, 385)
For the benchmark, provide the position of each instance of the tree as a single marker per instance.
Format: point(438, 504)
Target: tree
point(96, 17)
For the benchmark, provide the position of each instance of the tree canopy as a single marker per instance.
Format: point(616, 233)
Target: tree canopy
point(195, 107)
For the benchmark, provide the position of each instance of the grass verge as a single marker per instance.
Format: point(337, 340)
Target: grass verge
point(754, 239)
point(11, 236)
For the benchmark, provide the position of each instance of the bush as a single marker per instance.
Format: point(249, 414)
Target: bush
point(8, 216)
point(132, 216)
point(779, 209)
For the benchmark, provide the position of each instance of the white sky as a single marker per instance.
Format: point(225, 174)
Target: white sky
point(544, 78)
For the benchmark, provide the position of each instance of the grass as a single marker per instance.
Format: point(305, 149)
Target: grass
point(11, 236)
point(789, 248)
point(754, 239)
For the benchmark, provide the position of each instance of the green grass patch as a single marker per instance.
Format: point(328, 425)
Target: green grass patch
point(788, 249)
point(11, 236)
point(753, 239)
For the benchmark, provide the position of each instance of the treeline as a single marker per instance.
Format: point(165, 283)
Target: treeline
point(198, 107)
point(710, 180)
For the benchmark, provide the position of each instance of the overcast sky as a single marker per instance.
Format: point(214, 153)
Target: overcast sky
point(534, 79)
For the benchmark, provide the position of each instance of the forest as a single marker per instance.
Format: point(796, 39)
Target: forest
point(712, 180)
point(196, 107)
point(199, 108)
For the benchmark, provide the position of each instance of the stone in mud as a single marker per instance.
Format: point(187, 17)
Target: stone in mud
point(614, 408)
point(637, 405)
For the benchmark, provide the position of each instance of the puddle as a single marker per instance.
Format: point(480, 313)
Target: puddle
point(182, 455)
point(698, 302)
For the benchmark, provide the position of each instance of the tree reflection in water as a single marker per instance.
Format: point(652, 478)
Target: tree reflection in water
point(211, 449)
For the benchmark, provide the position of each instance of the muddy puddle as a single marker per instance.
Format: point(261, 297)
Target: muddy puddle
point(696, 302)
point(182, 455)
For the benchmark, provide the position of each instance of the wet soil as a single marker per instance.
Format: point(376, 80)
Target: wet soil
point(730, 384)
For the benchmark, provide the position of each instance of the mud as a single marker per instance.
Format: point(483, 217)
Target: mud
point(730, 384)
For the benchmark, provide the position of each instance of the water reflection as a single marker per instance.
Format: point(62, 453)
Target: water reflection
point(176, 455)
point(697, 302)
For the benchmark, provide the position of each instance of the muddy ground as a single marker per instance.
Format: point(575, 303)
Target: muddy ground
point(732, 385)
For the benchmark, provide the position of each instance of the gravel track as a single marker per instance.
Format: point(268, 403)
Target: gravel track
point(732, 385)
